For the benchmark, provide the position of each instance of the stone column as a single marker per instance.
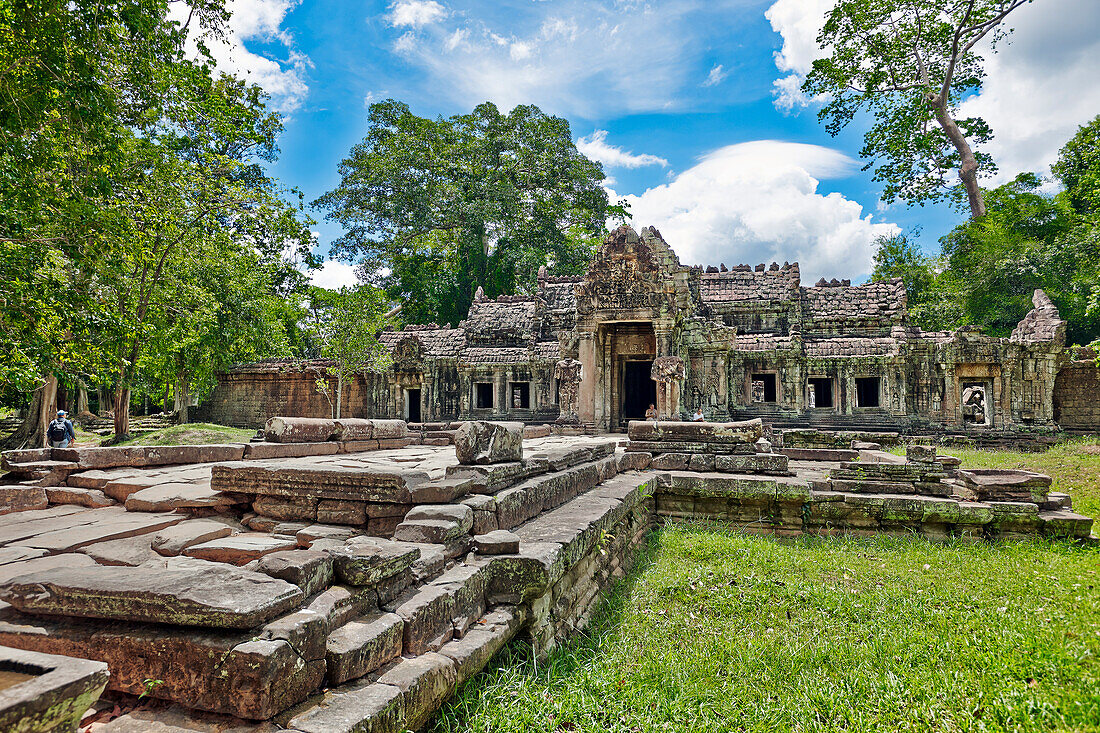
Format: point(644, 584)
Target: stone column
point(569, 373)
point(668, 373)
point(586, 389)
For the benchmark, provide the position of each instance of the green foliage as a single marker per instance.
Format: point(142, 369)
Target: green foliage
point(436, 208)
point(1078, 168)
point(910, 65)
point(349, 331)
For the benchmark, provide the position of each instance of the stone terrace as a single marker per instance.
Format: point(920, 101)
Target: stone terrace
point(321, 587)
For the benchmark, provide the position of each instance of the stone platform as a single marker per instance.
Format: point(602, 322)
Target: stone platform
point(344, 590)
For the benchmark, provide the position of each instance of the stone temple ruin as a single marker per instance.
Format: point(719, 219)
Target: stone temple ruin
point(340, 575)
point(348, 575)
point(739, 343)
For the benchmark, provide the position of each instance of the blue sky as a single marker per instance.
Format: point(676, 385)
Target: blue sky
point(692, 106)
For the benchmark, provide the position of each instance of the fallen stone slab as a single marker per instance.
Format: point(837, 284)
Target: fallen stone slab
point(499, 542)
point(162, 455)
point(479, 442)
point(221, 671)
point(121, 487)
point(352, 428)
point(999, 484)
point(431, 531)
point(359, 647)
point(276, 479)
point(69, 533)
point(91, 498)
point(49, 562)
point(310, 570)
point(19, 554)
point(173, 540)
point(261, 451)
point(172, 496)
point(214, 596)
point(299, 430)
point(131, 551)
point(368, 562)
point(112, 457)
point(59, 692)
point(22, 499)
point(10, 458)
point(389, 430)
point(240, 549)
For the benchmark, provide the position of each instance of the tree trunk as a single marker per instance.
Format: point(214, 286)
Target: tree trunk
point(122, 413)
point(81, 398)
point(105, 400)
point(43, 407)
point(339, 393)
point(164, 403)
point(968, 171)
point(183, 396)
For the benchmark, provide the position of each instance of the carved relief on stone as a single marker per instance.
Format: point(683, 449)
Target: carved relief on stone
point(408, 354)
point(624, 275)
point(568, 374)
point(667, 369)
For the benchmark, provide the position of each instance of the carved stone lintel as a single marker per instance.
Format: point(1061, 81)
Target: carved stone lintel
point(667, 369)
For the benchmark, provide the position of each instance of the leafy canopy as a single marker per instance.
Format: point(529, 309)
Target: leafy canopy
point(436, 208)
point(909, 65)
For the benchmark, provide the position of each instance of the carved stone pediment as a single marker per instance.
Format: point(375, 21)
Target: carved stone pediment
point(624, 275)
point(408, 354)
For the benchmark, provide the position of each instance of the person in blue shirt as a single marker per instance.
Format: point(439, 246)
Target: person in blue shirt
point(60, 432)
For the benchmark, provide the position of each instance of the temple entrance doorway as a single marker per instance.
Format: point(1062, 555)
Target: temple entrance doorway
point(639, 391)
point(412, 405)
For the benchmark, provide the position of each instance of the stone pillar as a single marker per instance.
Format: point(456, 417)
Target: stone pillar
point(586, 390)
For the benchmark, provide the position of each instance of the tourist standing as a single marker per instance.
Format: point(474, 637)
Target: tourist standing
point(60, 432)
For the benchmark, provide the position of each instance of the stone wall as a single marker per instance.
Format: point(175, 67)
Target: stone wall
point(1077, 396)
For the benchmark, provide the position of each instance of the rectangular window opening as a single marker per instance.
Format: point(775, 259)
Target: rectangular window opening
point(821, 391)
point(868, 391)
point(521, 395)
point(483, 395)
point(763, 388)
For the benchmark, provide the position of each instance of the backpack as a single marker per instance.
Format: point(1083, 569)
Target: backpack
point(57, 430)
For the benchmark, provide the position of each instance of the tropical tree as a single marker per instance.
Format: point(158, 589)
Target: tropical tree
point(350, 320)
point(436, 208)
point(910, 65)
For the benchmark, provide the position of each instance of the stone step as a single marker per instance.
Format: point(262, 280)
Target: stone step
point(361, 646)
point(210, 595)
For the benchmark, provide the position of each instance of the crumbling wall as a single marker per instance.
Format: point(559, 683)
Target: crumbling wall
point(1077, 396)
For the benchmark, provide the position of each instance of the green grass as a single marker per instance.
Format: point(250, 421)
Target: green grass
point(192, 434)
point(717, 631)
point(1074, 465)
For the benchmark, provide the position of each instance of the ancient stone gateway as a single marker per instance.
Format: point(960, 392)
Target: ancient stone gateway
point(737, 343)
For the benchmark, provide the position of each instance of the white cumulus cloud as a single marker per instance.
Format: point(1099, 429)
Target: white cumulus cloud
point(758, 202)
point(333, 275)
point(1039, 87)
point(415, 13)
point(596, 147)
point(282, 74)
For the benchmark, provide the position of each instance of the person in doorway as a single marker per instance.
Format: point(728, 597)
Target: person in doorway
point(651, 413)
point(698, 416)
point(60, 432)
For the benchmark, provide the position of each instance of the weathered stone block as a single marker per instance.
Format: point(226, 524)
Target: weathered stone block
point(428, 613)
point(22, 498)
point(342, 511)
point(299, 430)
point(240, 549)
point(354, 429)
point(367, 562)
point(60, 692)
point(480, 442)
point(214, 596)
point(748, 431)
point(500, 542)
point(425, 682)
point(359, 647)
point(310, 570)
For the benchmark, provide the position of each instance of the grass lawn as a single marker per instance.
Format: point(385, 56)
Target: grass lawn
point(192, 434)
point(719, 631)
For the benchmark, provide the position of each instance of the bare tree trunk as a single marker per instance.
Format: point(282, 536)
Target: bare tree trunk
point(339, 393)
point(105, 400)
point(968, 171)
point(122, 413)
point(183, 396)
point(81, 398)
point(32, 433)
point(164, 402)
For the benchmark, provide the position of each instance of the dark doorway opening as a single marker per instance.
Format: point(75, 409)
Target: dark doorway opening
point(412, 405)
point(483, 395)
point(868, 391)
point(823, 391)
point(521, 395)
point(639, 391)
point(769, 393)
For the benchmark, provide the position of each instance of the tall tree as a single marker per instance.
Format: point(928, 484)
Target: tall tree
point(436, 208)
point(351, 319)
point(910, 64)
point(1078, 169)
